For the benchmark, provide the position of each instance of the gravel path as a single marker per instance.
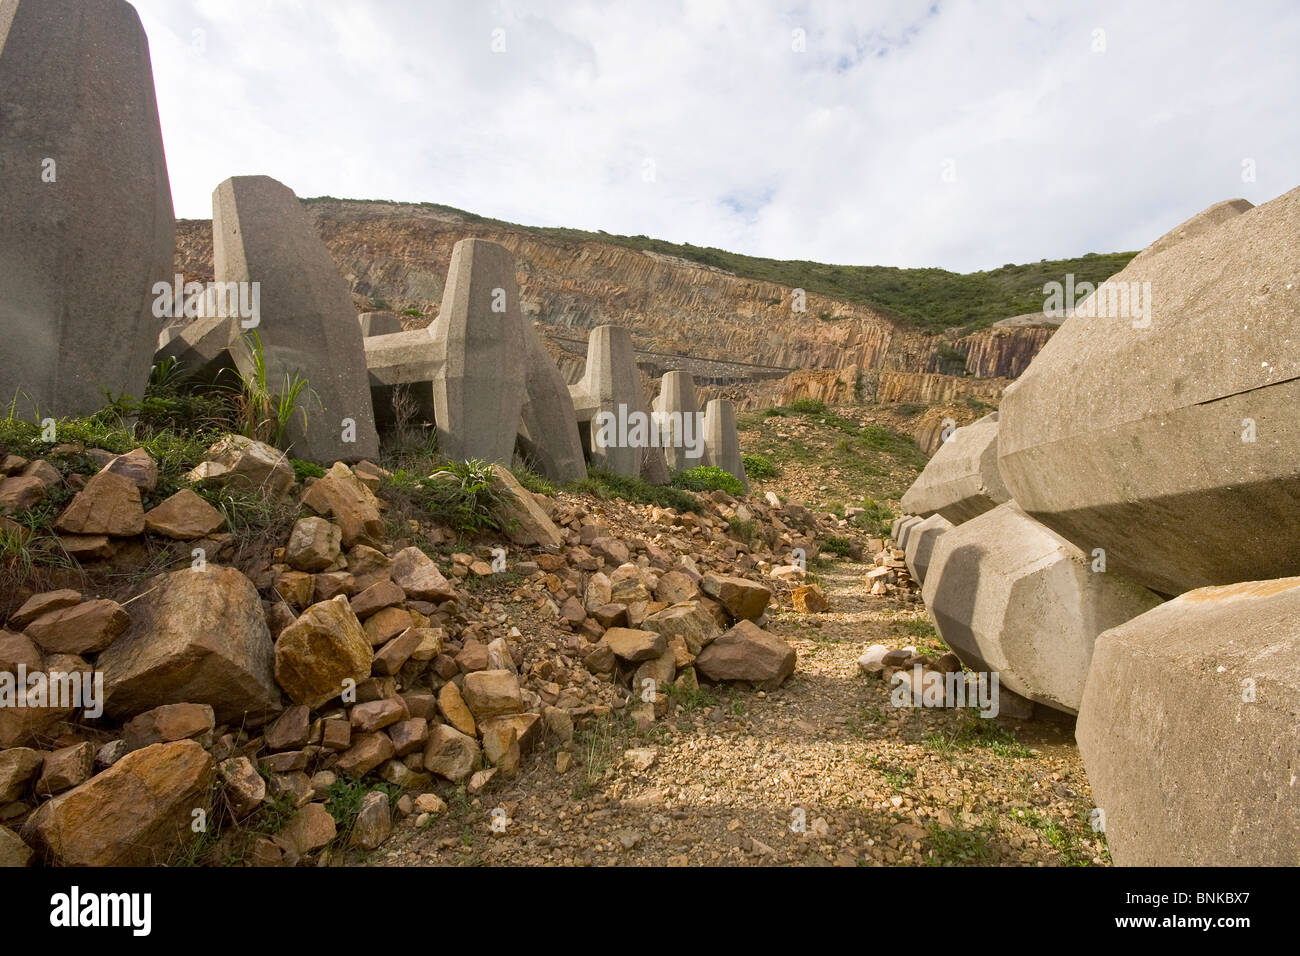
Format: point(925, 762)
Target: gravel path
point(823, 771)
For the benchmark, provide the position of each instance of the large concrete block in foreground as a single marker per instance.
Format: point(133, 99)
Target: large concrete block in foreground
point(1012, 596)
point(86, 223)
point(478, 389)
point(610, 384)
point(677, 414)
point(1188, 729)
point(308, 326)
point(962, 479)
point(1171, 441)
point(721, 442)
point(920, 545)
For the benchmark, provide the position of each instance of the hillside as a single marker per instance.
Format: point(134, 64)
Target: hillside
point(725, 318)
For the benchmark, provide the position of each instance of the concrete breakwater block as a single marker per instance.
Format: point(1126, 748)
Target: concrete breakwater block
point(721, 441)
point(548, 426)
point(1160, 423)
point(85, 206)
point(1012, 596)
point(1188, 729)
point(962, 479)
point(478, 388)
point(307, 327)
point(609, 383)
point(920, 545)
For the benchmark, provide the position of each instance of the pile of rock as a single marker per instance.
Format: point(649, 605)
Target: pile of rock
point(346, 655)
point(1049, 543)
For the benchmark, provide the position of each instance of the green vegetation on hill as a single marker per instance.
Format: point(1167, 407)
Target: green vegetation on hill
point(931, 300)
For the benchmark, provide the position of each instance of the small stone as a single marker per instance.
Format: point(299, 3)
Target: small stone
point(416, 574)
point(311, 829)
point(108, 505)
point(367, 752)
point(450, 753)
point(40, 604)
point(314, 544)
point(184, 516)
point(378, 714)
point(492, 693)
point(374, 821)
point(245, 788)
point(810, 599)
point(634, 645)
point(167, 723)
point(452, 707)
point(85, 628)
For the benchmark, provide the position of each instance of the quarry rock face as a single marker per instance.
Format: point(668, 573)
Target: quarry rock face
point(1011, 596)
point(676, 413)
point(921, 543)
point(478, 386)
point(610, 382)
point(1188, 729)
point(86, 205)
point(307, 324)
point(1131, 435)
point(962, 479)
point(721, 443)
point(548, 426)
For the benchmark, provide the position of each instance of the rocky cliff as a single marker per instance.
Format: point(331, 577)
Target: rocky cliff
point(721, 327)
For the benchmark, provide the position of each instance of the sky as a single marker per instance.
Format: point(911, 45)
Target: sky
point(876, 132)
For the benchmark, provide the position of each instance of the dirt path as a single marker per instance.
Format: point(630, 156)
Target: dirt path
point(823, 771)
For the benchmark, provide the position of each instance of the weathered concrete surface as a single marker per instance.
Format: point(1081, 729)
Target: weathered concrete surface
point(79, 255)
point(1203, 221)
point(478, 387)
point(1131, 439)
point(920, 545)
point(610, 381)
point(308, 326)
point(677, 414)
point(1188, 729)
point(548, 426)
point(1011, 596)
point(401, 367)
point(962, 479)
point(721, 443)
point(379, 323)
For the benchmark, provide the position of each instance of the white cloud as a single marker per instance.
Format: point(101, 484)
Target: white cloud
point(834, 154)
